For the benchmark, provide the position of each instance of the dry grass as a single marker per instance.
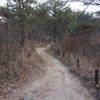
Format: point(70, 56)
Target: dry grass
point(84, 47)
point(18, 66)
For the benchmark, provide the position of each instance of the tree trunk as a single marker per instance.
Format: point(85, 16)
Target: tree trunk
point(83, 51)
point(22, 36)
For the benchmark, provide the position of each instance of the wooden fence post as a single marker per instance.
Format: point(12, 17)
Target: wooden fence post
point(78, 63)
point(97, 83)
point(63, 54)
point(96, 76)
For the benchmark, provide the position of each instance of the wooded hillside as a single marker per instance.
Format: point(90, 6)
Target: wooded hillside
point(73, 36)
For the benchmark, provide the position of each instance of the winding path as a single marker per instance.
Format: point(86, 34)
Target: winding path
point(57, 84)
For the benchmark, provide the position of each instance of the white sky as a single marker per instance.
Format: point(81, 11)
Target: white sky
point(76, 6)
point(2, 2)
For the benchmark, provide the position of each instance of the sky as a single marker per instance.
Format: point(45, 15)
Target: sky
point(75, 6)
point(78, 6)
point(2, 2)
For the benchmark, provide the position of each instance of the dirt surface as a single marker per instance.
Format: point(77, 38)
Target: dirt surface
point(56, 84)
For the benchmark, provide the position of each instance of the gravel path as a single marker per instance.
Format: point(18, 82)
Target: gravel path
point(57, 84)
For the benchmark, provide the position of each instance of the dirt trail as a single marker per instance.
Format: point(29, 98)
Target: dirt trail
point(57, 84)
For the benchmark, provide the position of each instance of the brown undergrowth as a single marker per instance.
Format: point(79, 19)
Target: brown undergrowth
point(18, 66)
point(83, 47)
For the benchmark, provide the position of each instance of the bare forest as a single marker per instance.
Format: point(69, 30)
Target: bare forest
point(32, 33)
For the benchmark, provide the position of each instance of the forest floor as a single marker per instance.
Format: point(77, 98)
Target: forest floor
point(56, 84)
point(29, 67)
